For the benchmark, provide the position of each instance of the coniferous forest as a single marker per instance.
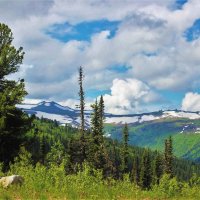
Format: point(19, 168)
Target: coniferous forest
point(62, 162)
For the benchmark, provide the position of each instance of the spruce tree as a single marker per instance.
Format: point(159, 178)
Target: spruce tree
point(13, 122)
point(115, 160)
point(82, 119)
point(157, 168)
point(82, 100)
point(42, 149)
point(135, 173)
point(95, 122)
point(146, 171)
point(168, 157)
point(101, 108)
point(98, 155)
point(96, 148)
point(125, 152)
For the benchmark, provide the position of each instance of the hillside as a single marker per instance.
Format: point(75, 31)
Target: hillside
point(44, 133)
point(185, 134)
point(146, 130)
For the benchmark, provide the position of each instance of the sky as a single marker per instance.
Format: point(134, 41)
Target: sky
point(141, 55)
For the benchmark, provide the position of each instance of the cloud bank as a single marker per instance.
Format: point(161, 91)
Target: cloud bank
point(149, 40)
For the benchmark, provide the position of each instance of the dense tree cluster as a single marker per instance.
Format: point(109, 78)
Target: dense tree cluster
point(13, 122)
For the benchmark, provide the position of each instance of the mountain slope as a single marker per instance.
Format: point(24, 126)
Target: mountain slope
point(146, 130)
point(64, 114)
point(185, 134)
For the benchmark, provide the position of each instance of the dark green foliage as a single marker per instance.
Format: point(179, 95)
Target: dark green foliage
point(168, 157)
point(82, 100)
point(157, 168)
point(115, 158)
point(135, 173)
point(145, 170)
point(101, 108)
point(42, 149)
point(83, 155)
point(98, 155)
point(13, 122)
point(95, 122)
point(125, 153)
point(75, 153)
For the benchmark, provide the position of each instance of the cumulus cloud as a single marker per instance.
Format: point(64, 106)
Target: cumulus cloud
point(73, 103)
point(129, 96)
point(191, 102)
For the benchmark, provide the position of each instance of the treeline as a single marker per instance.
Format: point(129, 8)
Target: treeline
point(114, 158)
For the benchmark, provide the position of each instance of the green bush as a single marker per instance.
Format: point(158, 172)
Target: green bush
point(52, 182)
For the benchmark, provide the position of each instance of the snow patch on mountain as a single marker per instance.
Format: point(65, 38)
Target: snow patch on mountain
point(182, 114)
point(121, 120)
point(145, 118)
point(64, 108)
point(67, 115)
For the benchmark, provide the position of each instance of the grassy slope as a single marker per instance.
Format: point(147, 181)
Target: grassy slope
point(52, 183)
point(152, 134)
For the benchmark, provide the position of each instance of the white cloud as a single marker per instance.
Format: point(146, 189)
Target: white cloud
point(147, 27)
point(74, 103)
point(32, 101)
point(191, 102)
point(129, 96)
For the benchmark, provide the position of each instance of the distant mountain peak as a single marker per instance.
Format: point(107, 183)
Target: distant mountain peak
point(65, 114)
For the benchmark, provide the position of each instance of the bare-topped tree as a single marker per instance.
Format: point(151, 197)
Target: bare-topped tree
point(82, 100)
point(82, 119)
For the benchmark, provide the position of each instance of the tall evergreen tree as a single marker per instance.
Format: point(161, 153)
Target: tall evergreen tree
point(82, 100)
point(145, 171)
point(168, 157)
point(101, 108)
point(42, 149)
point(96, 140)
point(115, 158)
point(82, 119)
point(13, 122)
point(157, 168)
point(98, 155)
point(125, 152)
point(135, 173)
point(95, 123)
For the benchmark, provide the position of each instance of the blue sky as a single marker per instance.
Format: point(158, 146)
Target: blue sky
point(141, 55)
point(193, 32)
point(82, 31)
point(179, 4)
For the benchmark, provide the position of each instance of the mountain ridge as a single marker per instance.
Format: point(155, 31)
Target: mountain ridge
point(58, 111)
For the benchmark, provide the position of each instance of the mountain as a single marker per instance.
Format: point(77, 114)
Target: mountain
point(146, 130)
point(54, 111)
point(67, 115)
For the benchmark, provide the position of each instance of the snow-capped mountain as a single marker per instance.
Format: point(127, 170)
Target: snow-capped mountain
point(67, 115)
point(54, 111)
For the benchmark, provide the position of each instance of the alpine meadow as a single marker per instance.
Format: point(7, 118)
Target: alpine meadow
point(101, 102)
